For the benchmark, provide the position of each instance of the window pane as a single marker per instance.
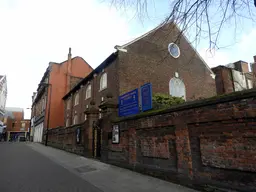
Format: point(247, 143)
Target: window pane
point(177, 88)
point(88, 92)
point(103, 81)
point(77, 99)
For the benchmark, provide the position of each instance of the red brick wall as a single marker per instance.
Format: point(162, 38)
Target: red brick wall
point(65, 138)
point(18, 115)
point(148, 60)
point(209, 142)
point(223, 80)
point(58, 80)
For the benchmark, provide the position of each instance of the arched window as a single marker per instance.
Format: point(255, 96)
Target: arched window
point(88, 91)
point(43, 104)
point(75, 120)
point(177, 88)
point(77, 99)
point(67, 122)
point(103, 81)
point(69, 103)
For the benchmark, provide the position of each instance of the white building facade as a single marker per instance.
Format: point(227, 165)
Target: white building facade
point(3, 94)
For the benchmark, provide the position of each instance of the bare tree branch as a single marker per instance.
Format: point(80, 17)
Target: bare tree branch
point(207, 17)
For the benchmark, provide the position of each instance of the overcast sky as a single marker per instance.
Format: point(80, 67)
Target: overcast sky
point(34, 32)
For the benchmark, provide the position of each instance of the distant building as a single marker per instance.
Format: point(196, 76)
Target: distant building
point(172, 67)
point(15, 123)
point(47, 103)
point(235, 77)
point(3, 94)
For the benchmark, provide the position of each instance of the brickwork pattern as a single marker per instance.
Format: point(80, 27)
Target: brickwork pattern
point(212, 143)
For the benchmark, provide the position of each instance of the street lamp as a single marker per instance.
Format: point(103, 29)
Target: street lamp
point(48, 104)
point(29, 129)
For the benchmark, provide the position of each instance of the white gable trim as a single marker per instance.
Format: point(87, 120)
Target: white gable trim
point(138, 38)
point(122, 48)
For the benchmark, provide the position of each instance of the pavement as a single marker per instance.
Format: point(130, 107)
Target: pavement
point(26, 167)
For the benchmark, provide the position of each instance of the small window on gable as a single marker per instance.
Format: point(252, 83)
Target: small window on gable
point(77, 99)
point(75, 120)
point(88, 91)
point(103, 81)
point(177, 88)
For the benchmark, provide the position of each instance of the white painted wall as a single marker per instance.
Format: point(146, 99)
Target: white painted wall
point(38, 132)
point(3, 93)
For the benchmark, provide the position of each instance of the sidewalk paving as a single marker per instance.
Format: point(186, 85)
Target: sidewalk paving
point(107, 177)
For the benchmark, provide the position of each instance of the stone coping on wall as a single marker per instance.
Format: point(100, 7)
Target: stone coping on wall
point(194, 104)
point(72, 126)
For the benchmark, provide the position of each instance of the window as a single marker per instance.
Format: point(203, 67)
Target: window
point(100, 114)
point(85, 117)
point(88, 92)
point(177, 88)
point(67, 122)
point(43, 104)
point(77, 99)
point(174, 50)
point(75, 120)
point(23, 125)
point(103, 81)
point(68, 103)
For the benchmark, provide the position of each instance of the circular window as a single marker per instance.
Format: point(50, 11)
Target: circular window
point(174, 50)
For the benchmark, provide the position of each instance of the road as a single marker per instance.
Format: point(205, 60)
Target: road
point(22, 169)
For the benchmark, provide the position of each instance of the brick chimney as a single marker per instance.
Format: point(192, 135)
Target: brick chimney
point(241, 66)
point(223, 80)
point(69, 70)
point(253, 65)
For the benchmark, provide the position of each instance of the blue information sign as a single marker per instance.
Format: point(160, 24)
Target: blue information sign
point(146, 96)
point(128, 103)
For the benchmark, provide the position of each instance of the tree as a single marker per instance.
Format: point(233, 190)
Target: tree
point(198, 15)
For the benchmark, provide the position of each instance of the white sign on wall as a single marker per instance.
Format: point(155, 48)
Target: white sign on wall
point(115, 134)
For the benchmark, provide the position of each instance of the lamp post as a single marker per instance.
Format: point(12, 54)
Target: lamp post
point(48, 107)
point(29, 129)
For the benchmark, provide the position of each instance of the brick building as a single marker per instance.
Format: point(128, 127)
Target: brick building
point(47, 103)
point(3, 94)
point(172, 67)
point(16, 125)
point(235, 77)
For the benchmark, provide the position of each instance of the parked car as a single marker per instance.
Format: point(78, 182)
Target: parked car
point(22, 139)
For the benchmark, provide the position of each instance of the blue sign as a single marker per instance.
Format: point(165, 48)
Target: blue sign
point(129, 103)
point(146, 96)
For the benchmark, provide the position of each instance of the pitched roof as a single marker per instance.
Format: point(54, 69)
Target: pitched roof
point(14, 109)
point(158, 27)
point(98, 69)
point(48, 68)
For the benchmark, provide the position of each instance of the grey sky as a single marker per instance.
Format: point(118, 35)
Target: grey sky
point(34, 32)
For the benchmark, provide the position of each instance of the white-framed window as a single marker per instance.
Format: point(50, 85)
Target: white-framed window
point(177, 88)
point(43, 104)
point(85, 117)
point(174, 50)
point(88, 91)
point(77, 98)
point(69, 103)
point(23, 125)
point(100, 114)
point(103, 81)
point(67, 122)
point(75, 120)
